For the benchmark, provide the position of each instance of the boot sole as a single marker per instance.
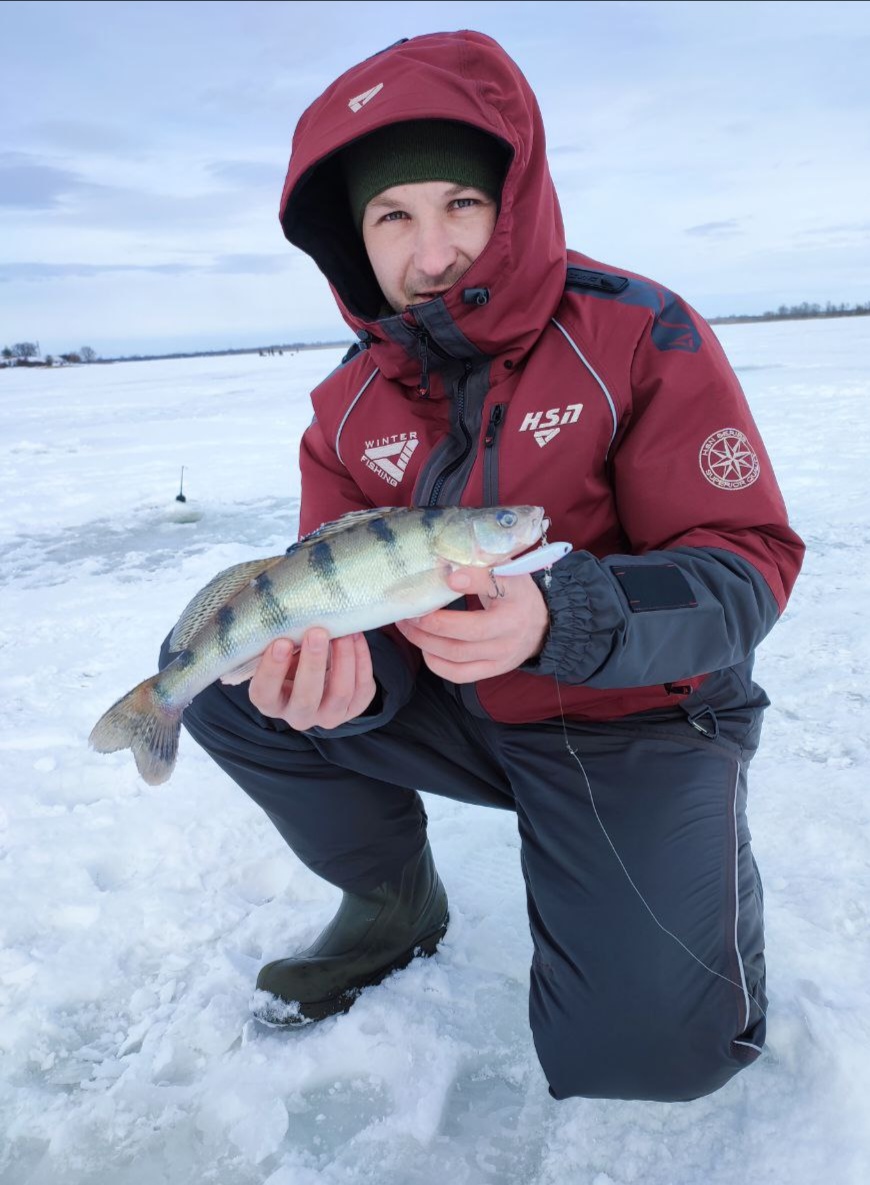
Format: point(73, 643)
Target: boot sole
point(297, 1013)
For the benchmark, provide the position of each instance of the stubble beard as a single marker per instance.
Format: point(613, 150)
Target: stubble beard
point(430, 283)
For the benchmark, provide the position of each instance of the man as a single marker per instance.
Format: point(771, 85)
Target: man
point(496, 367)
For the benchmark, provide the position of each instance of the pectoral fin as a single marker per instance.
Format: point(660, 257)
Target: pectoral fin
point(242, 673)
point(419, 587)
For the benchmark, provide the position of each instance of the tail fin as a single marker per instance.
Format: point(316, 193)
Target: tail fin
point(142, 723)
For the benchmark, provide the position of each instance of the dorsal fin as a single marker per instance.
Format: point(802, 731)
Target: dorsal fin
point(352, 519)
point(212, 596)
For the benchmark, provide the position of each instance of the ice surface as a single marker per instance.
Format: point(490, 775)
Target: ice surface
point(134, 919)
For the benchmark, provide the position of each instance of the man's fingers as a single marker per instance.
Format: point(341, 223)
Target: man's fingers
point(499, 599)
point(476, 626)
point(462, 672)
point(470, 580)
point(341, 684)
point(471, 626)
point(321, 683)
point(309, 681)
point(350, 685)
point(481, 643)
point(267, 687)
point(365, 677)
point(456, 649)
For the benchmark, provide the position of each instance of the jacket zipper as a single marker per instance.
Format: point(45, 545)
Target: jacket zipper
point(490, 455)
point(454, 465)
point(423, 389)
point(427, 347)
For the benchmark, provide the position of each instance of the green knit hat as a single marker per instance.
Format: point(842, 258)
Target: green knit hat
point(421, 150)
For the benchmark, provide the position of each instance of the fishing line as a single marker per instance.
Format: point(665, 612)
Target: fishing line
point(743, 987)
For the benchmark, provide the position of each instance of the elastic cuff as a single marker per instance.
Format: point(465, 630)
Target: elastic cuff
point(586, 619)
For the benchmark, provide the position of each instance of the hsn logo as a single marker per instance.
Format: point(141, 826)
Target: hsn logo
point(547, 424)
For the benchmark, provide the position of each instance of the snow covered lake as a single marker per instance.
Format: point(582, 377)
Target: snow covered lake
point(134, 919)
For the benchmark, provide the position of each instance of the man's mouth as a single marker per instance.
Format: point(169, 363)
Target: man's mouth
point(429, 295)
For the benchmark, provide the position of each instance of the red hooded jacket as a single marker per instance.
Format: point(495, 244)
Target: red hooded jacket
point(551, 379)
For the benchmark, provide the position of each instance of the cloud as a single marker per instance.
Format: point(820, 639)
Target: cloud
point(235, 265)
point(251, 174)
point(61, 271)
point(839, 231)
point(81, 136)
point(27, 184)
point(715, 229)
point(251, 265)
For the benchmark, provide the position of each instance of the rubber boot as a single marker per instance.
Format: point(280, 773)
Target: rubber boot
point(372, 934)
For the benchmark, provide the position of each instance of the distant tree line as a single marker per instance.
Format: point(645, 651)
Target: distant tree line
point(798, 312)
point(28, 354)
point(230, 351)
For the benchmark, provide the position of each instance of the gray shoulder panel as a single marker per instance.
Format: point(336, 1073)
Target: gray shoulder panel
point(598, 638)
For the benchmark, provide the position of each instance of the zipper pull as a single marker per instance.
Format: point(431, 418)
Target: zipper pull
point(423, 389)
point(495, 418)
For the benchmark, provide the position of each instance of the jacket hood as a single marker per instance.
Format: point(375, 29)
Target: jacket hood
point(463, 76)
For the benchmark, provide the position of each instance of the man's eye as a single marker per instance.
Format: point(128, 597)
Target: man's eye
point(464, 203)
point(394, 216)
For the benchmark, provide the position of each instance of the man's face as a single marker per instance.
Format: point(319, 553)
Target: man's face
point(422, 237)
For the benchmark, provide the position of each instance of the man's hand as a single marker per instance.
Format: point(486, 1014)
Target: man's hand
point(322, 684)
point(505, 633)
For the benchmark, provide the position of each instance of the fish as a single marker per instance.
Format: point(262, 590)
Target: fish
point(365, 570)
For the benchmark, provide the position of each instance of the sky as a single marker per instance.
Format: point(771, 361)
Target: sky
point(721, 148)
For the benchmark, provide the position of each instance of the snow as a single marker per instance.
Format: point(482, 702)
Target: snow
point(134, 919)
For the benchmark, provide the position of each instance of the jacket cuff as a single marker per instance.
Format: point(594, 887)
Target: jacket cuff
point(587, 619)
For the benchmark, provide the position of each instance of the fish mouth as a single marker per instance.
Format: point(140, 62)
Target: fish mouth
point(540, 529)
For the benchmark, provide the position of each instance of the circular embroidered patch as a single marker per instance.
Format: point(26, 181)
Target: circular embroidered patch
point(728, 460)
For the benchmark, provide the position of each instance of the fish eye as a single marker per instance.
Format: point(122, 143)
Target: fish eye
point(506, 518)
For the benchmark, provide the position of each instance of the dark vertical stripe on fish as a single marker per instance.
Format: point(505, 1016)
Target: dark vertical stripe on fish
point(226, 617)
point(272, 616)
point(163, 686)
point(382, 531)
point(323, 565)
point(321, 560)
point(431, 518)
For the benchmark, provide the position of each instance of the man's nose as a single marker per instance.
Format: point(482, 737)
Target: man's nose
point(434, 250)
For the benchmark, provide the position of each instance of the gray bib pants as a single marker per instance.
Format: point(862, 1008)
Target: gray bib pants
point(618, 1007)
